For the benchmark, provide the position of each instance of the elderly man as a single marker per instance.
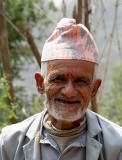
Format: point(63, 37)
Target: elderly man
point(66, 129)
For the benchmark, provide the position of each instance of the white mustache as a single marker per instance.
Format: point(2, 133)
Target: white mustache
point(68, 99)
point(62, 97)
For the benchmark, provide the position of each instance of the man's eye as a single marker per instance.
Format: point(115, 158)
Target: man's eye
point(57, 79)
point(81, 80)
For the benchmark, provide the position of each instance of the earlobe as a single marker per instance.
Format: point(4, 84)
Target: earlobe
point(39, 82)
point(97, 84)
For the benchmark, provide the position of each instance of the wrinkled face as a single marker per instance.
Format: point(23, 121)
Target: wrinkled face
point(68, 88)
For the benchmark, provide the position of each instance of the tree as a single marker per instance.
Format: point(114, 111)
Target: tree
point(22, 18)
point(4, 51)
point(78, 14)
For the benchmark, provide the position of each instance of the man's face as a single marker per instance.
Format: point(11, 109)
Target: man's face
point(68, 88)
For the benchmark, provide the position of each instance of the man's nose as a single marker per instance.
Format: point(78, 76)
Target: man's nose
point(69, 90)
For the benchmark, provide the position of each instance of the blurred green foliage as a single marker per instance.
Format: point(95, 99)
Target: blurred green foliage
point(17, 111)
point(26, 17)
point(27, 105)
point(7, 112)
point(111, 106)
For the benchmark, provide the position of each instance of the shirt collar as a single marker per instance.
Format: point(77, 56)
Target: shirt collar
point(93, 127)
point(36, 125)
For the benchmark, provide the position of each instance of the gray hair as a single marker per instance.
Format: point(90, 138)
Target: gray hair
point(44, 69)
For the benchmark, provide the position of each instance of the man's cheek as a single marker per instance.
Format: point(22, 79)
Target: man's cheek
point(86, 92)
point(49, 92)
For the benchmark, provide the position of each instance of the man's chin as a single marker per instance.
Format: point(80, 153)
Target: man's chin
point(65, 116)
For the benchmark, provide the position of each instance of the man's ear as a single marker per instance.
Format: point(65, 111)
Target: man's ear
point(39, 82)
point(97, 84)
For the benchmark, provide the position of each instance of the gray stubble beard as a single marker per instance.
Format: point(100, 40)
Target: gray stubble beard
point(61, 117)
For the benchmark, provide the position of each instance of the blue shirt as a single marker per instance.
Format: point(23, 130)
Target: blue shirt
point(75, 151)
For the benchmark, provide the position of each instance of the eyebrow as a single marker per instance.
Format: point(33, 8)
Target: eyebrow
point(58, 75)
point(84, 78)
point(55, 75)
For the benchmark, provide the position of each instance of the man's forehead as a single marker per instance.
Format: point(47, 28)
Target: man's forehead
point(70, 66)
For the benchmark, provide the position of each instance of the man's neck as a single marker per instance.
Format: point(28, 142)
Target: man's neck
point(62, 125)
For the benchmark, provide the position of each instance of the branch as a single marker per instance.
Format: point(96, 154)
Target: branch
point(103, 20)
point(109, 49)
point(87, 14)
point(92, 12)
point(29, 40)
point(77, 14)
point(34, 48)
point(64, 8)
point(98, 23)
point(104, 27)
point(119, 46)
point(105, 48)
point(103, 4)
point(41, 10)
point(16, 29)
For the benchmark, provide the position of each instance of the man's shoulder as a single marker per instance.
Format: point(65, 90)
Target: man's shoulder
point(20, 126)
point(109, 123)
point(106, 124)
point(19, 134)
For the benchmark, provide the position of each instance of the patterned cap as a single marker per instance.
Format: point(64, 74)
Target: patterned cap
point(70, 41)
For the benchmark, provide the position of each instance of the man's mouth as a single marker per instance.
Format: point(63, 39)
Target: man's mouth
point(67, 101)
